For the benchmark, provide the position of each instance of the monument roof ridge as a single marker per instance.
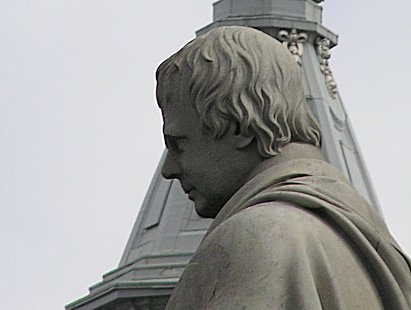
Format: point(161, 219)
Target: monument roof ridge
point(308, 10)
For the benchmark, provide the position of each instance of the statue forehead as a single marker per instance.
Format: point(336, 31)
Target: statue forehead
point(174, 83)
point(175, 97)
point(179, 114)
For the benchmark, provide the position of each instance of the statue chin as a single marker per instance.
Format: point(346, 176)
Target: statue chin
point(204, 211)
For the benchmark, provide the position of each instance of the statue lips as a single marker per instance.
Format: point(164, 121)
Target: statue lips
point(188, 190)
point(190, 194)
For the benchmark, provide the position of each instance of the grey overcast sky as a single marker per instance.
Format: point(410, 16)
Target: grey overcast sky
point(80, 133)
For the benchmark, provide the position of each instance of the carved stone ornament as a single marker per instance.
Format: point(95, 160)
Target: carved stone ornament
point(323, 52)
point(294, 42)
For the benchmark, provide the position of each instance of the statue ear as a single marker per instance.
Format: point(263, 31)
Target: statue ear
point(244, 141)
point(241, 140)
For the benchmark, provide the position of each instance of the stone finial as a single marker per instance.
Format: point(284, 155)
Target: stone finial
point(294, 42)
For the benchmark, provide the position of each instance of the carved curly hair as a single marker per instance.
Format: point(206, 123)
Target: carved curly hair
point(239, 74)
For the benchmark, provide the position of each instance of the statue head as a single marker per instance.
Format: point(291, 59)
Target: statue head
point(240, 91)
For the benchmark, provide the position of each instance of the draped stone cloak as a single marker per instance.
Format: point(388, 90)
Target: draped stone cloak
point(296, 236)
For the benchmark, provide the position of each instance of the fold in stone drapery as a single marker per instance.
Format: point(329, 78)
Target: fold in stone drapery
point(320, 188)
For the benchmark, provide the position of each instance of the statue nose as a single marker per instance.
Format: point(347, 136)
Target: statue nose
point(171, 168)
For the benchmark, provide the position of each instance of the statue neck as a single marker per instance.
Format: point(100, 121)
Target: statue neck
point(291, 151)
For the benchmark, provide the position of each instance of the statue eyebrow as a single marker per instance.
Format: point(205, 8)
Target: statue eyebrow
point(174, 136)
point(172, 132)
point(172, 140)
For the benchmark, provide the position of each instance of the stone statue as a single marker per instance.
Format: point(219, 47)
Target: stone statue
point(290, 232)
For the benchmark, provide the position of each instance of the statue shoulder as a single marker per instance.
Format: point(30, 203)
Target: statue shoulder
point(256, 229)
point(269, 219)
point(241, 261)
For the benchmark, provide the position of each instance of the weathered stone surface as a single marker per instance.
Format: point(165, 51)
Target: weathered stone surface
point(290, 231)
point(168, 231)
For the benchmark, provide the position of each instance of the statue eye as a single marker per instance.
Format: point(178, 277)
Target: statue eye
point(175, 144)
point(180, 145)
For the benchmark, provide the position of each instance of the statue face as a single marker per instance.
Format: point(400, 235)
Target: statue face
point(210, 171)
